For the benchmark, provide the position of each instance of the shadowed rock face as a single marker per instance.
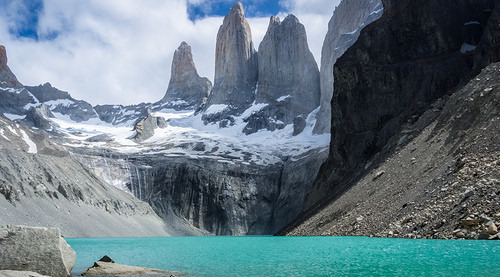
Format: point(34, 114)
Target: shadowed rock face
point(288, 76)
point(236, 66)
point(348, 19)
point(398, 66)
point(186, 88)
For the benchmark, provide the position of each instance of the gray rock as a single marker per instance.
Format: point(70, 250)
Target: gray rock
point(492, 229)
point(101, 268)
point(348, 19)
point(37, 249)
point(145, 128)
point(186, 89)
point(7, 78)
point(39, 117)
point(288, 76)
point(16, 273)
point(236, 66)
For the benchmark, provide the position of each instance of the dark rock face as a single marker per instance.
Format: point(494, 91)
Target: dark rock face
point(186, 89)
point(488, 51)
point(398, 66)
point(222, 197)
point(37, 249)
point(348, 19)
point(236, 66)
point(288, 76)
point(39, 117)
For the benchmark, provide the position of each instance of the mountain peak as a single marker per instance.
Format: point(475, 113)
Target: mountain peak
point(237, 8)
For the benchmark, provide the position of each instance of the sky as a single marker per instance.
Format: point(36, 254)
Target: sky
point(120, 51)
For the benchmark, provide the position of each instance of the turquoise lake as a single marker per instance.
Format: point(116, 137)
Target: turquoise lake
point(295, 256)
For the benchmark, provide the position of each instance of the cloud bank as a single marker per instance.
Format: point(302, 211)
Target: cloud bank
point(120, 51)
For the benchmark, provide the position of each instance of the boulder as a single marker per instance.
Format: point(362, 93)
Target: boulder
point(15, 273)
point(37, 249)
point(492, 229)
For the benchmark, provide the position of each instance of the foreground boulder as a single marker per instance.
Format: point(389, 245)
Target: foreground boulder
point(15, 273)
point(37, 249)
point(104, 268)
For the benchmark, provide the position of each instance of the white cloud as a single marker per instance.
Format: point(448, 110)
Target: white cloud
point(120, 51)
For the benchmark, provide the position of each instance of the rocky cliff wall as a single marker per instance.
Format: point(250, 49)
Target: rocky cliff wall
point(400, 64)
point(215, 194)
point(348, 19)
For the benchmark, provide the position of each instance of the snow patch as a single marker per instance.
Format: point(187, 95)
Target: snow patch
point(59, 102)
point(14, 116)
point(216, 108)
point(3, 134)
point(32, 149)
point(283, 98)
point(472, 23)
point(467, 48)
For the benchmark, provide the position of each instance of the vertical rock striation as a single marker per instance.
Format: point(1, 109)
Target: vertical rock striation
point(186, 89)
point(288, 76)
point(348, 19)
point(399, 65)
point(236, 66)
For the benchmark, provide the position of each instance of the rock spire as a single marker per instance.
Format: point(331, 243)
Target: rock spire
point(7, 78)
point(186, 88)
point(236, 66)
point(288, 76)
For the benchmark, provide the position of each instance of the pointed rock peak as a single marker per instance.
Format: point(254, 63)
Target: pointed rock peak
point(291, 18)
point(237, 8)
point(3, 56)
point(184, 46)
point(274, 20)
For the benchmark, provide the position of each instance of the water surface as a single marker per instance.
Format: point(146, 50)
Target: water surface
point(295, 256)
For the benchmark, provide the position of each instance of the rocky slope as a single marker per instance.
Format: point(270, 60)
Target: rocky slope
point(444, 183)
point(236, 68)
point(42, 185)
point(378, 104)
point(348, 19)
point(288, 78)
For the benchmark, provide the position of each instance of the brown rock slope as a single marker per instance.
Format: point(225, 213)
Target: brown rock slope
point(445, 183)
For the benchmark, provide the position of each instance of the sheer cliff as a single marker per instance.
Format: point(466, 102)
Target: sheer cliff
point(389, 86)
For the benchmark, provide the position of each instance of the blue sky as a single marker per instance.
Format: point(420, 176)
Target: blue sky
point(120, 51)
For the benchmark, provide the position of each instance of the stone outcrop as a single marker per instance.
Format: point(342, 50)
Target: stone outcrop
point(288, 76)
point(236, 66)
point(488, 50)
point(37, 249)
point(18, 273)
point(394, 71)
point(186, 89)
point(348, 19)
point(107, 267)
point(145, 128)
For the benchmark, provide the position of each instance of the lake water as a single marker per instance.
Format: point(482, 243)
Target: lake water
point(295, 256)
